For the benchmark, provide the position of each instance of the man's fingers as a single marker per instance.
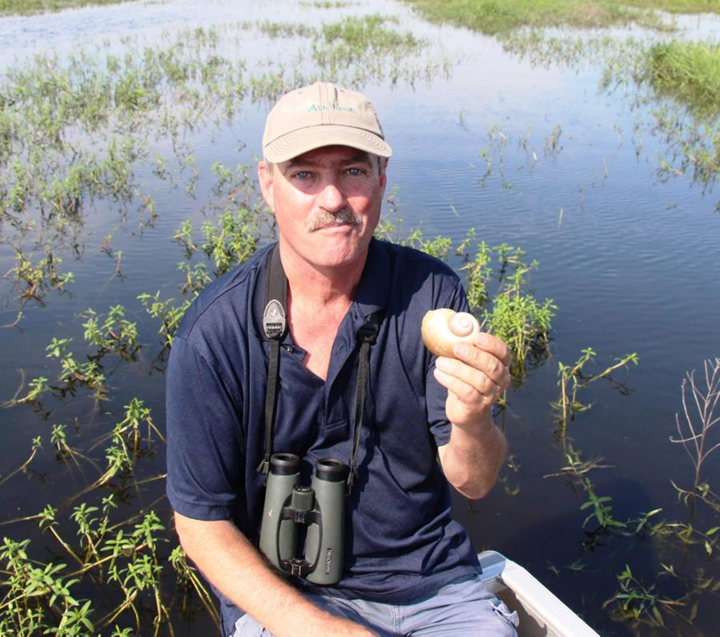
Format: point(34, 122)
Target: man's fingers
point(484, 361)
point(484, 376)
point(493, 345)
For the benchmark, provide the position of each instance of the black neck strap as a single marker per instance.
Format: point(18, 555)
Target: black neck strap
point(275, 326)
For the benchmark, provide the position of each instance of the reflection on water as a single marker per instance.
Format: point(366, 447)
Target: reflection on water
point(532, 155)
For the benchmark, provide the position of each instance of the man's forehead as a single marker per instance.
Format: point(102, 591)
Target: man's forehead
point(340, 154)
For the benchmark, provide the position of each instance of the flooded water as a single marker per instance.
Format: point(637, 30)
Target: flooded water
point(536, 156)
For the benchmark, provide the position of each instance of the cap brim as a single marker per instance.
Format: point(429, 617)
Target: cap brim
point(306, 139)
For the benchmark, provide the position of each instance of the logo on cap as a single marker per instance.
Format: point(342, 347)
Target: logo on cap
point(332, 106)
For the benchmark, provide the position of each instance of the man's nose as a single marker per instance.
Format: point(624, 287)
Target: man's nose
point(332, 198)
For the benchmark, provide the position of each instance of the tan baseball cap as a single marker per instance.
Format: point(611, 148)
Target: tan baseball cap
point(322, 114)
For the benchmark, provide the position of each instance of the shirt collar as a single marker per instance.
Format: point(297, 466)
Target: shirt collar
point(372, 293)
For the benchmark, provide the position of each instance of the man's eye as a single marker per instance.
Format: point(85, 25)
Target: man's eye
point(355, 171)
point(302, 174)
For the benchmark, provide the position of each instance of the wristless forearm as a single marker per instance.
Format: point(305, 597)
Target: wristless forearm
point(473, 457)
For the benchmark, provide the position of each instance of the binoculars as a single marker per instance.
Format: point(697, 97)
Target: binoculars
point(319, 510)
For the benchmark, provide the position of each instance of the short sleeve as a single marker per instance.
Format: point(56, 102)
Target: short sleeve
point(204, 440)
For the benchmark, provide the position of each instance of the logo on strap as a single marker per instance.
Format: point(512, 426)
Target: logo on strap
point(274, 319)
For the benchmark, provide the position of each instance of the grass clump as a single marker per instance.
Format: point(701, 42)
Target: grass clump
point(689, 71)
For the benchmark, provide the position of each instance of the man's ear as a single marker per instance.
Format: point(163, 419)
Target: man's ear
point(265, 177)
point(383, 174)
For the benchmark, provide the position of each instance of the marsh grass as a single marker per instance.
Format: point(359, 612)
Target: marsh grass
point(689, 71)
point(29, 7)
point(498, 18)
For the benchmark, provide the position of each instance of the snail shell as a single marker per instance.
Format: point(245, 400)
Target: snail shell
point(443, 328)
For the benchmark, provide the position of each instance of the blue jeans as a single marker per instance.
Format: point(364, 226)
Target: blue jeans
point(459, 609)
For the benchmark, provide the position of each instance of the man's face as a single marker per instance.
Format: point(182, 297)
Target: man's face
point(327, 203)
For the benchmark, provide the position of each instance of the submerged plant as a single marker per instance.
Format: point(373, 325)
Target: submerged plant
point(640, 603)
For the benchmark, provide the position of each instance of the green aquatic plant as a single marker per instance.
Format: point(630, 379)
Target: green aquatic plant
point(573, 378)
point(495, 18)
point(37, 387)
point(514, 314)
point(196, 277)
point(283, 29)
point(384, 51)
point(40, 277)
point(63, 451)
point(191, 587)
point(114, 334)
point(74, 374)
point(232, 240)
point(693, 146)
point(36, 446)
point(33, 591)
point(167, 312)
point(641, 604)
point(29, 7)
point(478, 273)
point(688, 70)
point(389, 230)
point(599, 507)
point(327, 4)
point(137, 416)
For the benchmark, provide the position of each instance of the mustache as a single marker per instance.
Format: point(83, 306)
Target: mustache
point(324, 218)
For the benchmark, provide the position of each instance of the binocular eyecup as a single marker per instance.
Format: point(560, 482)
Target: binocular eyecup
point(320, 509)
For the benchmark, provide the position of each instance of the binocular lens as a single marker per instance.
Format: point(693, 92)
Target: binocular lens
point(284, 464)
point(331, 470)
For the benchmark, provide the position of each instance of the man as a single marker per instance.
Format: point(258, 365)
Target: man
point(409, 568)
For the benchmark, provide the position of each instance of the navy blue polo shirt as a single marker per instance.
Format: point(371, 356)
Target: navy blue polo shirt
point(400, 540)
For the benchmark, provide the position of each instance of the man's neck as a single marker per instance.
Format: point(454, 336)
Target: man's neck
point(318, 300)
point(321, 287)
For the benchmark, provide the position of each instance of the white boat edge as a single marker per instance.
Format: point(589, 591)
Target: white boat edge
point(541, 613)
